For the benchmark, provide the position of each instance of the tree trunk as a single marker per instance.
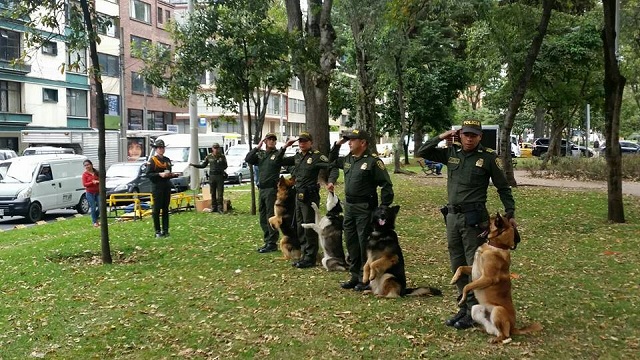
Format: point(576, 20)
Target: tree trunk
point(403, 122)
point(518, 93)
point(249, 124)
point(613, 89)
point(366, 116)
point(317, 36)
point(102, 169)
point(538, 127)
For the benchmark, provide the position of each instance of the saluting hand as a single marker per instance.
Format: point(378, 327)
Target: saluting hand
point(330, 187)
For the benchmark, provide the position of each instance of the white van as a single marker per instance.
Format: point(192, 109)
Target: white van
point(46, 150)
point(178, 148)
point(32, 185)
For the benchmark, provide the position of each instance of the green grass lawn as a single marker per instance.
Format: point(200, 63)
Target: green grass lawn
point(205, 293)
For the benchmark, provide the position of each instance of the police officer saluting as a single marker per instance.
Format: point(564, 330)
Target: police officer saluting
point(217, 165)
point(363, 174)
point(268, 162)
point(470, 166)
point(159, 173)
point(307, 165)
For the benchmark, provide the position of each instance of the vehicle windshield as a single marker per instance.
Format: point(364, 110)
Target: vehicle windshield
point(238, 151)
point(180, 154)
point(11, 172)
point(122, 171)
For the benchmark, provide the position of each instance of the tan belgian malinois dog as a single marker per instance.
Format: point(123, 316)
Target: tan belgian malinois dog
point(491, 282)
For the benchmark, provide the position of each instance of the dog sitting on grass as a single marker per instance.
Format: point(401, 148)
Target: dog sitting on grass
point(283, 219)
point(384, 269)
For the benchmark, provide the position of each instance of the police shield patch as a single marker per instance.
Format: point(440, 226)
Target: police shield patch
point(499, 163)
point(324, 158)
point(380, 164)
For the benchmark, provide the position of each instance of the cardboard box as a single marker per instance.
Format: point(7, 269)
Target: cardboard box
point(206, 192)
point(203, 204)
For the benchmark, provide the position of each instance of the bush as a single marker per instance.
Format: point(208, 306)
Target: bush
point(582, 168)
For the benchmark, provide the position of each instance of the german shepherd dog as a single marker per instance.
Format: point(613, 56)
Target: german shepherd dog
point(284, 219)
point(491, 282)
point(384, 269)
point(329, 229)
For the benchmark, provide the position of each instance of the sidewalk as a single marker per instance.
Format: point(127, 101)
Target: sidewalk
point(524, 179)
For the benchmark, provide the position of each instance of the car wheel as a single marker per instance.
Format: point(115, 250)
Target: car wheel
point(239, 178)
point(34, 213)
point(83, 205)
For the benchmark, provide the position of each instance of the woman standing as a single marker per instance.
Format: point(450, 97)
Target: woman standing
point(159, 172)
point(91, 182)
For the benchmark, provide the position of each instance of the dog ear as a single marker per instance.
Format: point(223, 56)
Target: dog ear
point(499, 221)
point(395, 209)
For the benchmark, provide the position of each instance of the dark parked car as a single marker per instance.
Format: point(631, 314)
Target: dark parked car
point(127, 177)
point(627, 147)
point(541, 146)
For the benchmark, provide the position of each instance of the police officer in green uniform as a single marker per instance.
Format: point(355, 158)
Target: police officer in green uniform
point(217, 165)
point(363, 174)
point(159, 173)
point(307, 164)
point(470, 166)
point(268, 162)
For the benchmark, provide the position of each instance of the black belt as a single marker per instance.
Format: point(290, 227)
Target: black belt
point(358, 199)
point(463, 208)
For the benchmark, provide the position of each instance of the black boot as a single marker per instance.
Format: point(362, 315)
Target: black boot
point(461, 313)
point(465, 322)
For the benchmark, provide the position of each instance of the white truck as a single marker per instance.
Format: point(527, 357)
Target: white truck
point(83, 142)
point(491, 138)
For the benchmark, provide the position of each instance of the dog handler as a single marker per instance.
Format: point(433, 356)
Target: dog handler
point(159, 173)
point(217, 165)
point(268, 162)
point(470, 166)
point(363, 174)
point(307, 165)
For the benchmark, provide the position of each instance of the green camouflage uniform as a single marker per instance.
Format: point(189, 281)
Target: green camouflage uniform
point(362, 176)
point(217, 166)
point(468, 180)
point(306, 169)
point(269, 164)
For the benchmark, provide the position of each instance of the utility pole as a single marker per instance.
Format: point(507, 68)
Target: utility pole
point(122, 154)
point(193, 126)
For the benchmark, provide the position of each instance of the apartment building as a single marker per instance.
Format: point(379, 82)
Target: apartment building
point(37, 94)
point(144, 21)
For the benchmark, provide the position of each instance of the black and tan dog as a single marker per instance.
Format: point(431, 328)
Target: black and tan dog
point(384, 269)
point(329, 229)
point(283, 219)
point(491, 282)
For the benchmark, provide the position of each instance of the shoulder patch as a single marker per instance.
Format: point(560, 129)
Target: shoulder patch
point(316, 151)
point(380, 164)
point(499, 163)
point(324, 158)
point(489, 150)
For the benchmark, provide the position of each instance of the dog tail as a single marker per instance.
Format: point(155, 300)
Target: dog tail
point(528, 329)
point(423, 291)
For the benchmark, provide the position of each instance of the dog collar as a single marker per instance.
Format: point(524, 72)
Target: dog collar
point(499, 246)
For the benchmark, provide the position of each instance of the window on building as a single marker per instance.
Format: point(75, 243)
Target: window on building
point(109, 65)
point(9, 45)
point(139, 44)
point(140, 11)
point(134, 119)
point(50, 48)
point(76, 102)
point(225, 125)
point(296, 106)
point(160, 14)
point(77, 60)
point(10, 97)
point(49, 95)
point(273, 108)
point(344, 119)
point(167, 15)
point(295, 83)
point(111, 104)
point(109, 26)
point(138, 84)
point(162, 91)
point(166, 49)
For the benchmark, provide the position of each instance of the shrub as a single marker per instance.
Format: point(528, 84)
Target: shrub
point(582, 168)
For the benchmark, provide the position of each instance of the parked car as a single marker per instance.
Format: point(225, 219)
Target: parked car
point(6, 154)
point(541, 146)
point(526, 150)
point(237, 169)
point(626, 147)
point(127, 177)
